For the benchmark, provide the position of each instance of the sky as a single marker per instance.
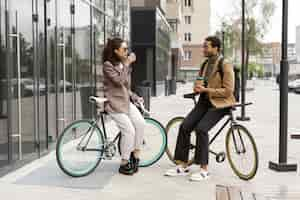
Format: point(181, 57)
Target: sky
point(223, 8)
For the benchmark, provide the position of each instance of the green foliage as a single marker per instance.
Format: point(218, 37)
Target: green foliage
point(258, 15)
point(255, 70)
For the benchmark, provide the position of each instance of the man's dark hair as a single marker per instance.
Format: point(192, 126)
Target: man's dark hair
point(215, 41)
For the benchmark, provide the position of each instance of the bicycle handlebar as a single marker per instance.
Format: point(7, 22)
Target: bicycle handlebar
point(142, 107)
point(193, 95)
point(190, 95)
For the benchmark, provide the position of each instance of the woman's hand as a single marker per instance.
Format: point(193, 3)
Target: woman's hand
point(131, 58)
point(141, 100)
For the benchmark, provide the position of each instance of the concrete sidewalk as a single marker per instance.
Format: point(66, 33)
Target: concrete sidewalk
point(43, 179)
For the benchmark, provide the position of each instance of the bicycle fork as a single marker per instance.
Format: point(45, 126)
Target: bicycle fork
point(242, 144)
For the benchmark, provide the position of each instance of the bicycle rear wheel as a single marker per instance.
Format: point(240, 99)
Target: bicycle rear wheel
point(241, 152)
point(154, 143)
point(79, 148)
point(172, 130)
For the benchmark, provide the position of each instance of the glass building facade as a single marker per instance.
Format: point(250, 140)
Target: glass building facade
point(151, 41)
point(50, 53)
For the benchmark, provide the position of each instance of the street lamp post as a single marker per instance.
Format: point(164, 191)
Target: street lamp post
point(223, 43)
point(243, 71)
point(284, 68)
point(223, 39)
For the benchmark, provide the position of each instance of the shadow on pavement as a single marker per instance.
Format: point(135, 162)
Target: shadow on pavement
point(51, 175)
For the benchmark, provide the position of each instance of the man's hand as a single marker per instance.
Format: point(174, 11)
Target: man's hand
point(200, 89)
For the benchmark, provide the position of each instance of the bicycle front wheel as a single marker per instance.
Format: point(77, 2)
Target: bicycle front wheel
point(154, 143)
point(172, 130)
point(80, 148)
point(241, 152)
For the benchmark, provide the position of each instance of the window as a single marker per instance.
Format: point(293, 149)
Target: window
point(187, 55)
point(188, 37)
point(187, 3)
point(174, 25)
point(187, 19)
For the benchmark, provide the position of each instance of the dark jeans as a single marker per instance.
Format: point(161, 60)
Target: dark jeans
point(201, 119)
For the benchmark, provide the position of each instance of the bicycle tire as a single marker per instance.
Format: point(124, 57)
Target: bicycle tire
point(173, 126)
point(68, 141)
point(238, 130)
point(146, 161)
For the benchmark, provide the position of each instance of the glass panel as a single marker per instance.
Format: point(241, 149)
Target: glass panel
point(119, 10)
point(51, 70)
point(99, 46)
point(3, 90)
point(126, 18)
point(163, 60)
point(64, 76)
point(109, 28)
point(109, 7)
point(126, 15)
point(23, 10)
point(82, 56)
point(126, 34)
point(119, 30)
point(42, 128)
point(99, 3)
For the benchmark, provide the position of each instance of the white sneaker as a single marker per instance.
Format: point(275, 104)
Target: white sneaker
point(177, 171)
point(200, 175)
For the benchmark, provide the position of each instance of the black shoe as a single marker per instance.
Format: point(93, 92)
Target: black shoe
point(135, 163)
point(126, 169)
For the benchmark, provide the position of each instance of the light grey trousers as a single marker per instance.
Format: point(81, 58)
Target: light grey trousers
point(132, 127)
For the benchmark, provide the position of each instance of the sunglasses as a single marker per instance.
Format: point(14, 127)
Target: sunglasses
point(124, 48)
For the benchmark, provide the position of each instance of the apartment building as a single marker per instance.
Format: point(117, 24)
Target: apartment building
point(270, 59)
point(193, 30)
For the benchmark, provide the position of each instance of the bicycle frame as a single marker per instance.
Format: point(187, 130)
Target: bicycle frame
point(230, 120)
point(95, 122)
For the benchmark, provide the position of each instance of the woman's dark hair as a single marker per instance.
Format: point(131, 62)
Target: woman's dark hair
point(109, 50)
point(215, 41)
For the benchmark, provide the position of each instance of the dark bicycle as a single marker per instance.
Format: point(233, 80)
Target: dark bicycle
point(241, 149)
point(82, 145)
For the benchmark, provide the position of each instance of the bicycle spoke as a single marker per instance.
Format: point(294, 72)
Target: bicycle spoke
point(154, 142)
point(241, 152)
point(79, 148)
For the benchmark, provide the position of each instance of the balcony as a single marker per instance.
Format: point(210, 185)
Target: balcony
point(150, 4)
point(173, 10)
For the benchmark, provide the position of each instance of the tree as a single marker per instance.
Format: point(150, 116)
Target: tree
point(258, 14)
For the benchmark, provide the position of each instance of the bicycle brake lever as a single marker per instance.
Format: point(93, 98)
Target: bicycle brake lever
point(142, 107)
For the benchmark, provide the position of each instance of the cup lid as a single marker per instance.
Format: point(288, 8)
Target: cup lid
point(200, 78)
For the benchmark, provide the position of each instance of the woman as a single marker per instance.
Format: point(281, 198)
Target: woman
point(116, 71)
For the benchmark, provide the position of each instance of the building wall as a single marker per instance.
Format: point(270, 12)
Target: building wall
point(200, 19)
point(199, 29)
point(272, 55)
point(270, 58)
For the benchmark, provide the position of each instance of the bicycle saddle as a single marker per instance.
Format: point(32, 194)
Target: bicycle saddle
point(98, 100)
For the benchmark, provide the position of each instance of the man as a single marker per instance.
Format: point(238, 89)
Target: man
point(216, 92)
